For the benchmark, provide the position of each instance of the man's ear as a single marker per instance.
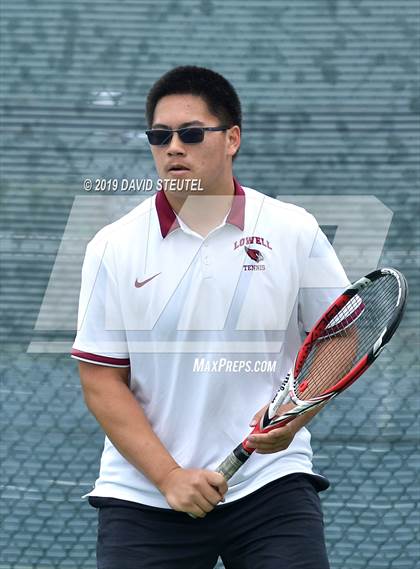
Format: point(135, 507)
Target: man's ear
point(233, 140)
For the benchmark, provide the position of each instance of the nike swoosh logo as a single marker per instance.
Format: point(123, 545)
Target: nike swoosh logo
point(139, 284)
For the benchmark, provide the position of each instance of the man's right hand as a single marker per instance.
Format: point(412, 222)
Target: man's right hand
point(193, 491)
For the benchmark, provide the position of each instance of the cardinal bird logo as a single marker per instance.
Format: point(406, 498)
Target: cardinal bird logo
point(254, 254)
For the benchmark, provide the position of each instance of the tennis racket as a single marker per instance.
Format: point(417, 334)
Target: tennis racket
point(344, 342)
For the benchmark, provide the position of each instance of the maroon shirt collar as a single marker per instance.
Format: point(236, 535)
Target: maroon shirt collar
point(168, 221)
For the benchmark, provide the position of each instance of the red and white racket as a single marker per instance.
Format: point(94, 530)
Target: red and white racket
point(340, 347)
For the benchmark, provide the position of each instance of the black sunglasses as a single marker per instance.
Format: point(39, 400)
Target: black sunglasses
point(188, 135)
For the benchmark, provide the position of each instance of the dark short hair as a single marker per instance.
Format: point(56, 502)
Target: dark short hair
point(221, 98)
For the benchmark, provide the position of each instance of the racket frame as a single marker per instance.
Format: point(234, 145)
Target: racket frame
point(286, 392)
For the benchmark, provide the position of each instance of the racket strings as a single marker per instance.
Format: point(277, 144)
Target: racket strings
point(348, 337)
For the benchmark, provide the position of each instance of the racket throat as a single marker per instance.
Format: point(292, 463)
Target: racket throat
point(282, 396)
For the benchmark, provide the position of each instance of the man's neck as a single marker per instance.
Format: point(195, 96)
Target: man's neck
point(203, 211)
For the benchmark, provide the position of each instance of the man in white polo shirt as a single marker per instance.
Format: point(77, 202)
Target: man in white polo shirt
point(192, 309)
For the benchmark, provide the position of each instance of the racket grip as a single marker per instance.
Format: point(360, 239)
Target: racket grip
point(234, 461)
point(231, 464)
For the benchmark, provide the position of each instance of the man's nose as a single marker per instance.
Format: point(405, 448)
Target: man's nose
point(176, 145)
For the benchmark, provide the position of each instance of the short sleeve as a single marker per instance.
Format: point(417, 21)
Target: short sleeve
point(101, 337)
point(323, 279)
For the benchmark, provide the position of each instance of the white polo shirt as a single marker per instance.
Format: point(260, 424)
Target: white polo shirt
point(208, 326)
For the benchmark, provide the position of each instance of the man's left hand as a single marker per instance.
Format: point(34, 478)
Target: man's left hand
point(274, 441)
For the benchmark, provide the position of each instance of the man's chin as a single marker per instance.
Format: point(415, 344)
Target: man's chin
point(177, 174)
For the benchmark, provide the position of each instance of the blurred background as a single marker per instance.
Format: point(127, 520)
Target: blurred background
point(330, 94)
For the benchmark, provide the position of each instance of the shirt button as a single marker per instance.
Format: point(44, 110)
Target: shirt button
point(206, 261)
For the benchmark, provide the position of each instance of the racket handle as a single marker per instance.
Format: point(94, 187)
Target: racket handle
point(241, 453)
point(234, 461)
point(231, 464)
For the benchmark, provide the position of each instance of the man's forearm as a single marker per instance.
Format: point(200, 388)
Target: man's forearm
point(110, 400)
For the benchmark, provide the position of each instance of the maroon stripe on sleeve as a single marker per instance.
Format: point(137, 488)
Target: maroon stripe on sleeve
point(97, 359)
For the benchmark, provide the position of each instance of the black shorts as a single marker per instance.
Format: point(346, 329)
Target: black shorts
point(279, 526)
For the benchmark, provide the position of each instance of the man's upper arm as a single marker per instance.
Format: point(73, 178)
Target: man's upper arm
point(322, 280)
point(101, 337)
point(95, 378)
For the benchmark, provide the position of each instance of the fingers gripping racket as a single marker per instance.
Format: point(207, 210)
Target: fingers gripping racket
point(344, 342)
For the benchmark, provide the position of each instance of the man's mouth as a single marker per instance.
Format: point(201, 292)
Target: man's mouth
point(178, 169)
